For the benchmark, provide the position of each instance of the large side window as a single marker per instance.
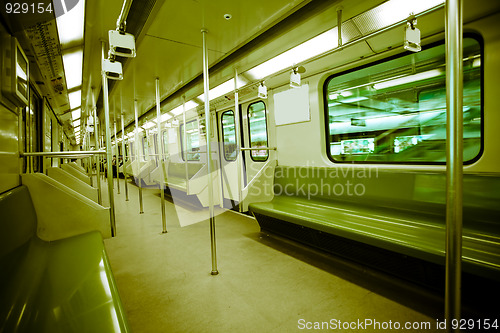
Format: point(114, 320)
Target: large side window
point(192, 152)
point(165, 143)
point(132, 151)
point(257, 125)
point(395, 111)
point(145, 148)
point(229, 135)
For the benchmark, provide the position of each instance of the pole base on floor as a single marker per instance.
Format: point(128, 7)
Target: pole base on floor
point(164, 232)
point(214, 273)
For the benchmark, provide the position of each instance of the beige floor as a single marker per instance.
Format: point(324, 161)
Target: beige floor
point(265, 284)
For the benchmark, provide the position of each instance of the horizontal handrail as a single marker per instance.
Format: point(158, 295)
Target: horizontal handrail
point(262, 148)
point(62, 153)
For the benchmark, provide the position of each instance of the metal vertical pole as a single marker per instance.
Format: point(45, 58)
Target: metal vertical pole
point(160, 157)
point(454, 164)
point(209, 153)
point(339, 26)
point(237, 132)
point(97, 147)
point(136, 112)
point(89, 159)
point(108, 146)
point(123, 151)
point(184, 143)
point(117, 155)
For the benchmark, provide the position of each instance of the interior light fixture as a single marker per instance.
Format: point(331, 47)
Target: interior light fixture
point(70, 26)
point(408, 79)
point(76, 114)
point(178, 110)
point(393, 11)
point(73, 64)
point(149, 124)
point(309, 49)
point(222, 89)
point(165, 117)
point(76, 123)
point(388, 13)
point(75, 99)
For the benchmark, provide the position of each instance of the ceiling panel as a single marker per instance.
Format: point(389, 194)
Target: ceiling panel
point(171, 45)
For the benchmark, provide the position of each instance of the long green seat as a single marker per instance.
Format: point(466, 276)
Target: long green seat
point(176, 176)
point(403, 212)
point(59, 286)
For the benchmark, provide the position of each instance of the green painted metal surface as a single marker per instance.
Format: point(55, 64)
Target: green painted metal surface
point(61, 286)
point(398, 211)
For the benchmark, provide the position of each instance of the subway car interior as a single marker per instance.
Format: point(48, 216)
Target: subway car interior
point(249, 166)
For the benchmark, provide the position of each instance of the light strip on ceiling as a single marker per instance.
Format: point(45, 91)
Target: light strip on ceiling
point(222, 89)
point(73, 64)
point(149, 124)
point(75, 99)
point(70, 25)
point(76, 114)
point(388, 13)
point(313, 47)
point(178, 110)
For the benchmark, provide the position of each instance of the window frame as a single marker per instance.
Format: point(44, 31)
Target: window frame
point(326, 117)
point(223, 137)
point(164, 135)
point(181, 135)
point(250, 131)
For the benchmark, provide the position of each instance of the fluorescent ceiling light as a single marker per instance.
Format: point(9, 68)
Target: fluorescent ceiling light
point(73, 64)
point(149, 124)
point(222, 89)
point(408, 79)
point(394, 11)
point(76, 123)
point(75, 99)
point(70, 25)
point(384, 15)
point(178, 110)
point(311, 48)
point(76, 114)
point(165, 117)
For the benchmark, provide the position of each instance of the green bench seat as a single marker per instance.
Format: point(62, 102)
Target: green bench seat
point(60, 286)
point(401, 212)
point(176, 175)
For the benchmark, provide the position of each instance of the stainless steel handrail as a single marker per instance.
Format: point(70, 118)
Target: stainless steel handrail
point(62, 153)
point(263, 148)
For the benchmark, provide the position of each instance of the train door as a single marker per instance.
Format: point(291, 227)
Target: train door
point(255, 156)
point(255, 136)
point(228, 157)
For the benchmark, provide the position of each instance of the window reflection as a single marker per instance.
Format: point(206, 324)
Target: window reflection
point(395, 111)
point(258, 130)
